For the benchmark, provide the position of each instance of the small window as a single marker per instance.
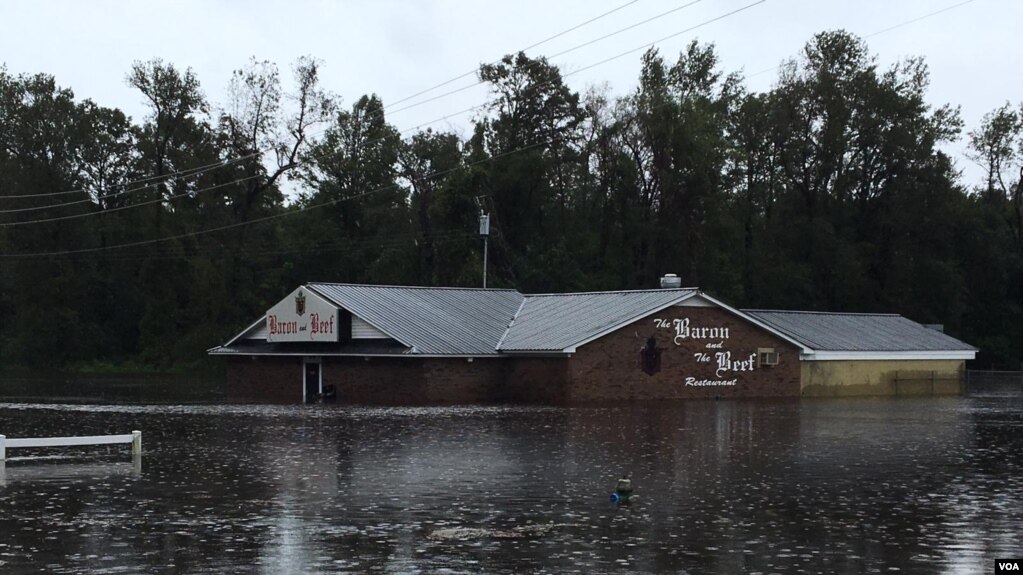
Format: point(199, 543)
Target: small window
point(767, 356)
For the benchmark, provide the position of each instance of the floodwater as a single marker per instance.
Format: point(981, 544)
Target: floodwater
point(931, 485)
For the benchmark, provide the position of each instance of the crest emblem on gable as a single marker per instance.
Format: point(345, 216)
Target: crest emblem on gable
point(300, 303)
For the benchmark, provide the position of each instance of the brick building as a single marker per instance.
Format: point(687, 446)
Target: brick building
point(415, 346)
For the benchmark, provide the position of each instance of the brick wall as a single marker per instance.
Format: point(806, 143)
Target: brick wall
point(458, 380)
point(610, 368)
point(534, 380)
point(378, 381)
point(403, 381)
point(409, 381)
point(265, 379)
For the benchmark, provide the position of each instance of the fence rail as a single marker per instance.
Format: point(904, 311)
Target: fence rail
point(1010, 382)
point(134, 438)
point(995, 377)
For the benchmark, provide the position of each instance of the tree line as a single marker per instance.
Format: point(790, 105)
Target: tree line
point(145, 242)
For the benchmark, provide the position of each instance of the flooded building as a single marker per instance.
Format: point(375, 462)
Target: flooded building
point(418, 345)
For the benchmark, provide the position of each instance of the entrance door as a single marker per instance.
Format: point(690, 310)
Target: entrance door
point(313, 380)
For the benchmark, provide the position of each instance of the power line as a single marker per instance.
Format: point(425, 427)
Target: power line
point(539, 85)
point(129, 206)
point(394, 186)
point(266, 218)
point(182, 252)
point(879, 32)
point(180, 174)
point(533, 87)
point(915, 20)
point(526, 49)
point(384, 188)
point(177, 174)
point(626, 29)
point(113, 195)
point(669, 37)
point(190, 171)
point(385, 110)
point(562, 53)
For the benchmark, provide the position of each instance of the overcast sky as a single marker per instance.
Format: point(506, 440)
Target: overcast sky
point(397, 48)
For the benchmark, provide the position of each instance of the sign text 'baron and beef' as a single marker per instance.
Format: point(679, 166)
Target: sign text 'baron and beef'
point(302, 316)
point(715, 354)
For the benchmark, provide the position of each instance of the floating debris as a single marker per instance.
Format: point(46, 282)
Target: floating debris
point(469, 533)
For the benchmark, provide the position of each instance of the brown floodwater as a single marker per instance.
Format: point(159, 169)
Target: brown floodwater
point(930, 485)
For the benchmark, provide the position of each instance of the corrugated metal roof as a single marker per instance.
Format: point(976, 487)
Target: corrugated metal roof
point(475, 322)
point(824, 331)
point(554, 322)
point(254, 347)
point(442, 321)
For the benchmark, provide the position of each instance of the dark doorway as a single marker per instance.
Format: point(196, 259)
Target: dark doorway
point(312, 381)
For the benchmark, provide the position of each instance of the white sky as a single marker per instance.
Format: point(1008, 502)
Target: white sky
point(396, 48)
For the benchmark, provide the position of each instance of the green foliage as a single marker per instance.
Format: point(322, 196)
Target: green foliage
point(829, 191)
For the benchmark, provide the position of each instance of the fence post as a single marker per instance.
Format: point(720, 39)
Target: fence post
point(136, 443)
point(3, 448)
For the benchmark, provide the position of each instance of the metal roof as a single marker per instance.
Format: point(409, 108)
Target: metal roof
point(825, 331)
point(487, 322)
point(262, 347)
point(441, 321)
point(556, 322)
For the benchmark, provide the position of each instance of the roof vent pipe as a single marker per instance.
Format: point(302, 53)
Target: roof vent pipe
point(671, 281)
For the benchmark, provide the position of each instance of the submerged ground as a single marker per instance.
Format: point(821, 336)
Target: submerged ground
point(852, 486)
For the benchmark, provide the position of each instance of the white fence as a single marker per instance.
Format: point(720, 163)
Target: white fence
point(134, 438)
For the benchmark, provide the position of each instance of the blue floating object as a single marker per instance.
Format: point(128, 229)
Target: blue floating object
point(615, 498)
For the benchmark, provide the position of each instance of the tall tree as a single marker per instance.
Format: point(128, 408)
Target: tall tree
point(532, 136)
point(992, 239)
point(355, 207)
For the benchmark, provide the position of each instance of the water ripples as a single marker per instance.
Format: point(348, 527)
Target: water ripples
point(920, 486)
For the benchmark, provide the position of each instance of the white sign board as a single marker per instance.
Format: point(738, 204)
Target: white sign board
point(302, 316)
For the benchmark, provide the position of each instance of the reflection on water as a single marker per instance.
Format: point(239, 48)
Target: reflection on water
point(922, 485)
point(50, 468)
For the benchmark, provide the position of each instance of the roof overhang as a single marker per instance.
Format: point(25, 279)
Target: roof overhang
point(887, 355)
point(621, 324)
point(226, 351)
point(244, 332)
point(534, 353)
point(803, 349)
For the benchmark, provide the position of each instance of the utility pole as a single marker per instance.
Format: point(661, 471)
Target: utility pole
point(485, 232)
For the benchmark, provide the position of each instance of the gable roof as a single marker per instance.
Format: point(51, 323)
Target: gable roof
point(442, 321)
point(557, 322)
point(855, 332)
point(492, 322)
